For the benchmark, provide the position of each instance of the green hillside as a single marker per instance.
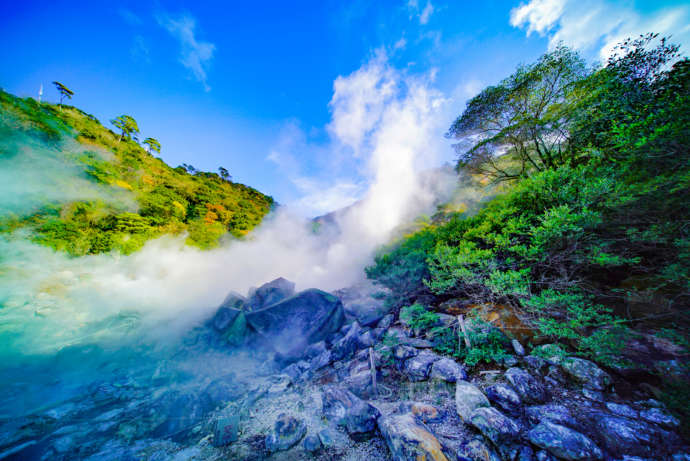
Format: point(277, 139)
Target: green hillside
point(125, 195)
point(589, 242)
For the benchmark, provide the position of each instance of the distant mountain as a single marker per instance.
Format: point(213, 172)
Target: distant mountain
point(74, 185)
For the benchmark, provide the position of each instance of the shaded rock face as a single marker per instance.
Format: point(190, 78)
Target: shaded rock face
point(623, 436)
point(417, 368)
point(526, 385)
point(270, 293)
point(292, 324)
point(363, 303)
point(345, 409)
point(505, 397)
point(563, 442)
point(287, 432)
point(468, 398)
point(558, 414)
point(409, 440)
point(447, 370)
point(501, 430)
point(586, 373)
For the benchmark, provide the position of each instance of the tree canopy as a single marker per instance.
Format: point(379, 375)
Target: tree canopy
point(153, 145)
point(127, 125)
point(522, 124)
point(64, 91)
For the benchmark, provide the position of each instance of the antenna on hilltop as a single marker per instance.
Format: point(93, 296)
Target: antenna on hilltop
point(40, 93)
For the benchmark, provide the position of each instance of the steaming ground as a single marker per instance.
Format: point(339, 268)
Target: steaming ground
point(67, 321)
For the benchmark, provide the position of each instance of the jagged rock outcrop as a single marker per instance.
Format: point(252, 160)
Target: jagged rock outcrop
point(411, 440)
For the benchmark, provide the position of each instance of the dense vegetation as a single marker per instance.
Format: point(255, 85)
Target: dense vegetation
point(589, 242)
point(161, 199)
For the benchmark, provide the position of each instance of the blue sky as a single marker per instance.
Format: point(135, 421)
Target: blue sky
point(253, 86)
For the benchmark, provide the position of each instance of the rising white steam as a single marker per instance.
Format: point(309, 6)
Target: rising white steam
point(391, 122)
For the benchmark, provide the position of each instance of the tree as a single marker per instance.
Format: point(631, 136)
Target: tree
point(153, 145)
point(224, 174)
point(127, 125)
point(522, 124)
point(64, 92)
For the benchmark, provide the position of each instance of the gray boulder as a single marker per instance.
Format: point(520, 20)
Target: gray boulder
point(496, 427)
point(447, 370)
point(528, 388)
point(586, 373)
point(622, 410)
point(564, 442)
point(552, 412)
point(346, 346)
point(270, 293)
point(345, 409)
point(410, 440)
point(292, 324)
point(623, 436)
point(287, 432)
point(417, 368)
point(660, 417)
point(505, 397)
point(468, 398)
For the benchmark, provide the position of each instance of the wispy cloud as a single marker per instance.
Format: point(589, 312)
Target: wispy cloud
point(140, 49)
point(598, 24)
point(422, 13)
point(195, 55)
point(129, 17)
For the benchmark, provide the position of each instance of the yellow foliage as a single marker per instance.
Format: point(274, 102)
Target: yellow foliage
point(123, 184)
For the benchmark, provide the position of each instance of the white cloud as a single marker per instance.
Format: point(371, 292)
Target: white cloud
point(423, 14)
point(195, 55)
point(598, 24)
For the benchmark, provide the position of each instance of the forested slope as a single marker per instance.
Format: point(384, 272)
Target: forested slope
point(131, 196)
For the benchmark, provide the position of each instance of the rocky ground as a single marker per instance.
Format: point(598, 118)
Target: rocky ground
point(280, 375)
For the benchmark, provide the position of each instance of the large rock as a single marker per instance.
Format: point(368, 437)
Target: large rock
point(345, 409)
point(495, 426)
point(292, 324)
point(586, 373)
point(447, 370)
point(410, 440)
point(528, 388)
point(364, 302)
point(623, 436)
point(552, 412)
point(347, 345)
point(287, 432)
point(417, 368)
point(270, 293)
point(505, 397)
point(425, 412)
point(564, 442)
point(660, 417)
point(468, 398)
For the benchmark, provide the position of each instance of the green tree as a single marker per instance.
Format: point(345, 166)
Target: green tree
point(521, 125)
point(153, 145)
point(127, 125)
point(224, 173)
point(64, 92)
